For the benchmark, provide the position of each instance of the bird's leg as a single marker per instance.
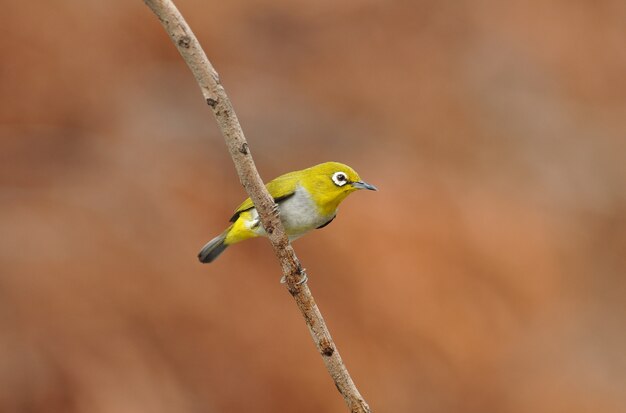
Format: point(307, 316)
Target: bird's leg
point(303, 278)
point(301, 272)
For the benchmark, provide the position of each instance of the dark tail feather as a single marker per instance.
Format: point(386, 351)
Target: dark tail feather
point(213, 249)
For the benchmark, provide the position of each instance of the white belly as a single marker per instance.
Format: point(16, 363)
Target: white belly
point(298, 214)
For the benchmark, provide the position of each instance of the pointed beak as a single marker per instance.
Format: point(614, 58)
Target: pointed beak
point(364, 185)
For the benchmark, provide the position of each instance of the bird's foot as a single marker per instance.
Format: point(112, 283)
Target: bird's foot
point(303, 278)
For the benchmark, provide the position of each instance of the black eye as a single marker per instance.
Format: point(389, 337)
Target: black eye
point(340, 179)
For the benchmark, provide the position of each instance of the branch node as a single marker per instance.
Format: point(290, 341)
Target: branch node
point(211, 102)
point(184, 41)
point(326, 347)
point(244, 148)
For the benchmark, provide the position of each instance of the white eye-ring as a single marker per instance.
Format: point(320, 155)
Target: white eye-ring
point(340, 178)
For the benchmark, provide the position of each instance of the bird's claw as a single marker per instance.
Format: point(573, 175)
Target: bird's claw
point(275, 209)
point(303, 278)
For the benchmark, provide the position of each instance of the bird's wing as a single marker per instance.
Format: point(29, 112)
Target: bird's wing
point(280, 189)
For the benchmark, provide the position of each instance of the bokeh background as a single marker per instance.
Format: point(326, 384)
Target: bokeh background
point(486, 275)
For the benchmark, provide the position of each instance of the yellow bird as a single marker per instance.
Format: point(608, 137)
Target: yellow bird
point(307, 199)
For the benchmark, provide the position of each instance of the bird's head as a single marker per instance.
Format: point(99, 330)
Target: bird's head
point(331, 182)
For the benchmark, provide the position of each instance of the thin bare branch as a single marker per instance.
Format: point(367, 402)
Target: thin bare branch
point(215, 96)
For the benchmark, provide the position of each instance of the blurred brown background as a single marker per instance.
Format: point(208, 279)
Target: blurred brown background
point(486, 275)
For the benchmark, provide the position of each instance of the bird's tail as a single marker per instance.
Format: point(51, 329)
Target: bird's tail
point(213, 248)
